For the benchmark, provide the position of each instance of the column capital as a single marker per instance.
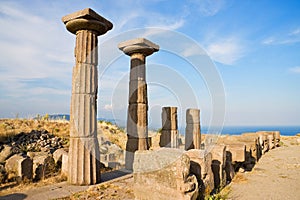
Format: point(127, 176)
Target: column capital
point(86, 19)
point(138, 45)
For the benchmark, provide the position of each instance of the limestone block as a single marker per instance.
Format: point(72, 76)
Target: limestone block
point(5, 153)
point(237, 151)
point(132, 145)
point(137, 68)
point(57, 156)
point(43, 166)
point(84, 161)
point(64, 164)
point(200, 166)
point(83, 121)
point(277, 138)
point(218, 165)
point(192, 136)
point(137, 92)
point(137, 121)
point(271, 141)
point(192, 116)
point(169, 118)
point(165, 174)
point(169, 138)
point(19, 166)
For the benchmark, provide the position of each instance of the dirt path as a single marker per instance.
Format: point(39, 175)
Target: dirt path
point(275, 177)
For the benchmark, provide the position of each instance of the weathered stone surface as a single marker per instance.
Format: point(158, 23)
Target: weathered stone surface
point(201, 167)
point(165, 174)
point(84, 164)
point(271, 140)
point(138, 45)
point(169, 118)
point(57, 156)
point(169, 138)
point(19, 167)
point(84, 152)
point(218, 165)
point(138, 92)
point(237, 152)
point(277, 138)
point(192, 136)
point(43, 166)
point(87, 19)
point(5, 153)
point(137, 121)
point(192, 116)
point(64, 164)
point(3, 174)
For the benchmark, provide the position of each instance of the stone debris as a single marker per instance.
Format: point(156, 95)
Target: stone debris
point(169, 132)
point(19, 167)
point(192, 130)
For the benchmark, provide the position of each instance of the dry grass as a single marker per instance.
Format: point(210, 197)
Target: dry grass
point(239, 178)
point(12, 127)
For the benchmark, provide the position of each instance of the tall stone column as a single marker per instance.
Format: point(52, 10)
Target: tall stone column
point(192, 130)
point(137, 116)
point(84, 156)
point(169, 132)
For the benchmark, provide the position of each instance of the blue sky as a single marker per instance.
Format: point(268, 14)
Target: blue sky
point(247, 54)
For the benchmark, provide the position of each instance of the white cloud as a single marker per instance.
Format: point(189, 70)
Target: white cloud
point(295, 32)
point(208, 7)
point(108, 107)
point(227, 51)
point(268, 41)
point(295, 70)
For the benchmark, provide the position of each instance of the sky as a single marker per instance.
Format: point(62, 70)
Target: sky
point(236, 61)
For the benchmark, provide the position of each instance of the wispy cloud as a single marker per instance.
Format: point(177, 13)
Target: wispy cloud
point(227, 51)
point(295, 70)
point(283, 39)
point(208, 7)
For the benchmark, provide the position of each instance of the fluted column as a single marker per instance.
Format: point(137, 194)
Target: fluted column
point(84, 156)
point(169, 131)
point(192, 130)
point(137, 115)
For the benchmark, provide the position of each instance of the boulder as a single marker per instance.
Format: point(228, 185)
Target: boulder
point(43, 166)
point(165, 174)
point(5, 153)
point(19, 167)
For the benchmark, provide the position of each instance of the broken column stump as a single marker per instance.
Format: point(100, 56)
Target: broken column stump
point(169, 132)
point(192, 130)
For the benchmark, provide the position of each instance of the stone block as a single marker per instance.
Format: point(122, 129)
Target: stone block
point(192, 116)
point(84, 161)
point(200, 166)
point(165, 174)
point(218, 165)
point(5, 153)
point(137, 92)
point(169, 138)
point(237, 152)
point(192, 136)
point(43, 166)
point(137, 121)
point(138, 45)
point(57, 156)
point(64, 165)
point(277, 138)
point(169, 118)
point(19, 167)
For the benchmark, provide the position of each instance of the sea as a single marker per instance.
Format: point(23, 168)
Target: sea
point(237, 130)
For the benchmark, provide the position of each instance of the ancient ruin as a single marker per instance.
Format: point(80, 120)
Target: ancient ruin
point(169, 131)
point(192, 130)
point(137, 116)
point(84, 160)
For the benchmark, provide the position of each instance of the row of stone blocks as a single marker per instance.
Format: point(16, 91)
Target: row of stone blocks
point(170, 173)
point(34, 165)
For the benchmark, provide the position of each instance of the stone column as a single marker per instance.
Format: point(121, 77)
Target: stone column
point(169, 132)
point(137, 118)
point(192, 130)
point(84, 163)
